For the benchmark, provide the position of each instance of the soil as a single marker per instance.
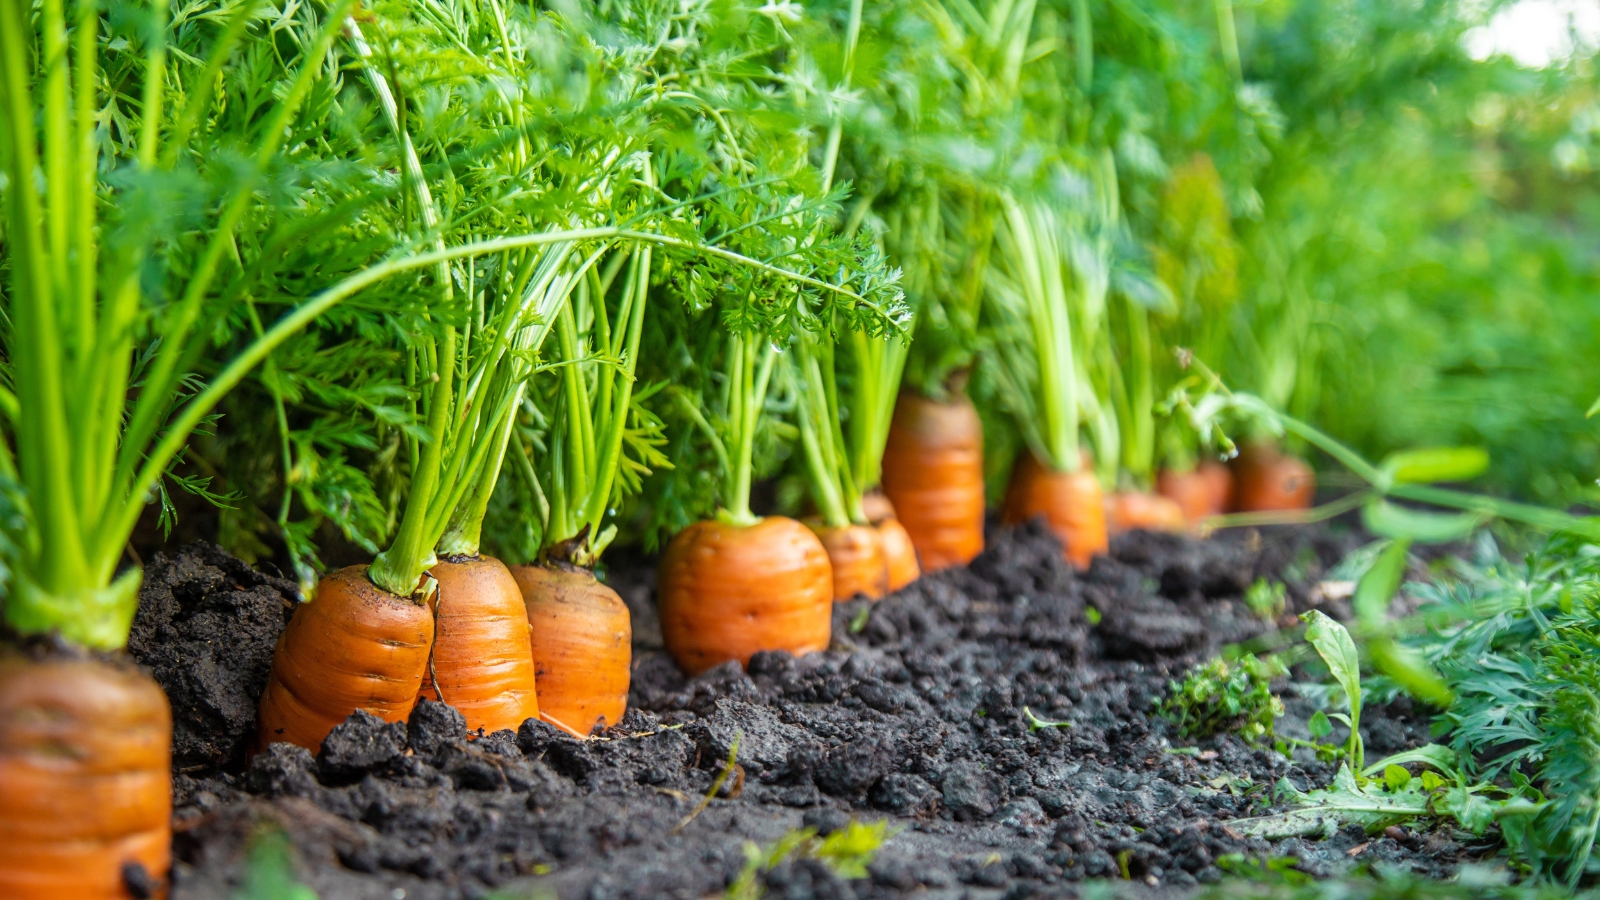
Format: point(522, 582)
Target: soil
point(919, 714)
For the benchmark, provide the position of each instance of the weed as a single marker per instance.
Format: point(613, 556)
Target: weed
point(847, 852)
point(268, 873)
point(1227, 696)
point(1473, 883)
point(1263, 870)
point(1266, 599)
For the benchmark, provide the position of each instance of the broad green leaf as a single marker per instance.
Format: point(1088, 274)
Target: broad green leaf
point(1319, 726)
point(1384, 518)
point(1338, 651)
point(1395, 778)
point(1437, 756)
point(1429, 464)
point(1593, 409)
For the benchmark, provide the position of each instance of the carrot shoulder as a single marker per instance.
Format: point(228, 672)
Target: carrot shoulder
point(1071, 503)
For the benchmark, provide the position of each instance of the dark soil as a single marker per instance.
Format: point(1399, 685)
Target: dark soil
point(919, 714)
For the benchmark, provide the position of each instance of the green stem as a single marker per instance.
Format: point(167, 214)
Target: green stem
point(399, 569)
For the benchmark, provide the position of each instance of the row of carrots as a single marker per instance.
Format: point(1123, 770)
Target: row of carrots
point(108, 316)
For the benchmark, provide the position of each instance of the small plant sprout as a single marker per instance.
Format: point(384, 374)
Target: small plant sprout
point(1227, 696)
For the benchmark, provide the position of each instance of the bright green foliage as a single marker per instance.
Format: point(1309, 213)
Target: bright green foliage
point(1266, 599)
point(1332, 642)
point(1233, 696)
point(157, 226)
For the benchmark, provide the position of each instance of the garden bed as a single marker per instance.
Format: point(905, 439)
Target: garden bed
point(925, 713)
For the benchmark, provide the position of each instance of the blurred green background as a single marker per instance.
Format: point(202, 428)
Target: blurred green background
point(1418, 264)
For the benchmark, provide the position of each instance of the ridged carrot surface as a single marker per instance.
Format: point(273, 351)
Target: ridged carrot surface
point(85, 779)
point(582, 638)
point(482, 656)
point(354, 646)
point(727, 591)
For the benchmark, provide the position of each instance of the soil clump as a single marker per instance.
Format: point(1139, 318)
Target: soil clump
point(926, 712)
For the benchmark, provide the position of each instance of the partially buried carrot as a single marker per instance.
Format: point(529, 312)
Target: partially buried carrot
point(855, 554)
point(933, 474)
point(482, 658)
point(1267, 479)
point(85, 779)
point(898, 552)
point(1071, 503)
point(582, 639)
point(1200, 492)
point(353, 646)
point(728, 590)
point(1142, 511)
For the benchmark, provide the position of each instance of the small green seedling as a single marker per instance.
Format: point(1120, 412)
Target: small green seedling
point(268, 874)
point(1266, 599)
point(1332, 642)
point(1227, 696)
point(847, 852)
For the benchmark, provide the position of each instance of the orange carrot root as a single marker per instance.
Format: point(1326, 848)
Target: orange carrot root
point(1137, 510)
point(482, 655)
point(1071, 503)
point(354, 646)
point(582, 638)
point(727, 591)
point(85, 779)
point(1266, 479)
point(933, 474)
point(855, 552)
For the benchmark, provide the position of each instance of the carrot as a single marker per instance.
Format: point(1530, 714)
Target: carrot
point(1191, 491)
point(1265, 478)
point(85, 778)
point(728, 590)
point(1071, 503)
point(482, 660)
point(353, 646)
point(1201, 492)
point(1139, 510)
point(582, 639)
point(855, 553)
point(1219, 484)
point(898, 551)
point(933, 474)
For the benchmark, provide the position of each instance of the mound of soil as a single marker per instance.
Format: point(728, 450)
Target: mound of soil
point(926, 712)
point(205, 629)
